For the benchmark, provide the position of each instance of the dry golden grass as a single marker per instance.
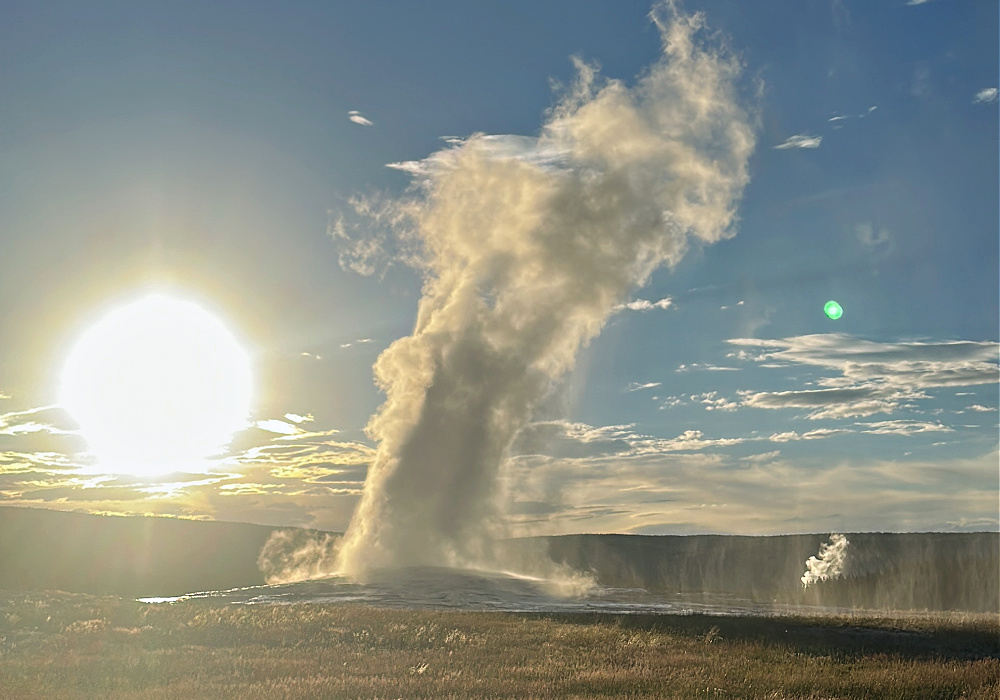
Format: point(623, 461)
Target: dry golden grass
point(69, 646)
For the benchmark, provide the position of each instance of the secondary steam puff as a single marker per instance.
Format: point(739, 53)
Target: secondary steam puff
point(297, 555)
point(830, 562)
point(528, 245)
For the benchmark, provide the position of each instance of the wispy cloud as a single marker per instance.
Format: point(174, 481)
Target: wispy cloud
point(358, 118)
point(360, 341)
point(920, 86)
point(878, 241)
point(800, 141)
point(646, 304)
point(762, 457)
point(844, 117)
point(368, 229)
point(699, 366)
point(903, 427)
point(987, 96)
point(713, 402)
point(827, 403)
point(917, 2)
point(279, 427)
point(47, 419)
point(873, 377)
point(636, 386)
point(818, 434)
point(564, 439)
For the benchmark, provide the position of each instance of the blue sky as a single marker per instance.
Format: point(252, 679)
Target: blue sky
point(212, 150)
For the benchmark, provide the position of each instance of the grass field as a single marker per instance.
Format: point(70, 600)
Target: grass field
point(76, 646)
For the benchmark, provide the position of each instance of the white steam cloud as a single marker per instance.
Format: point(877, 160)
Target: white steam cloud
point(528, 245)
point(297, 555)
point(830, 562)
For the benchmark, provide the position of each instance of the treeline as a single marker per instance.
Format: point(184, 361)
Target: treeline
point(895, 571)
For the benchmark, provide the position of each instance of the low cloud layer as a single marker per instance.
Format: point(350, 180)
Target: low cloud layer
point(765, 493)
point(276, 472)
point(874, 377)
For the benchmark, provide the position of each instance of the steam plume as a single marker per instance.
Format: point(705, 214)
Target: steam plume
point(829, 564)
point(528, 245)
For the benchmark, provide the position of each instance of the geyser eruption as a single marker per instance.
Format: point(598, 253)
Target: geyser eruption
point(527, 246)
point(830, 562)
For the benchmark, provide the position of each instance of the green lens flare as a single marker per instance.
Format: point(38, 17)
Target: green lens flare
point(833, 310)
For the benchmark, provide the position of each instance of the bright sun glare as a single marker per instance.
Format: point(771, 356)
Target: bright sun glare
point(158, 385)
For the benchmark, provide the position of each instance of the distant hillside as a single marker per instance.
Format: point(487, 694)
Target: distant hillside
point(909, 571)
point(142, 556)
point(129, 556)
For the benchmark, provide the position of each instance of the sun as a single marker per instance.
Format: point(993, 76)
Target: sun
point(158, 385)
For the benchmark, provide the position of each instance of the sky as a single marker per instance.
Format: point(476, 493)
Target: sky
point(236, 154)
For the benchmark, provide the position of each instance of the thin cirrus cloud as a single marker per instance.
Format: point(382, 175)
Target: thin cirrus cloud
point(987, 96)
point(844, 117)
point(358, 118)
point(360, 341)
point(636, 386)
point(818, 434)
point(903, 427)
point(886, 427)
point(800, 141)
point(568, 440)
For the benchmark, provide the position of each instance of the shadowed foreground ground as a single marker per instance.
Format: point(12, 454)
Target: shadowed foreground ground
point(77, 646)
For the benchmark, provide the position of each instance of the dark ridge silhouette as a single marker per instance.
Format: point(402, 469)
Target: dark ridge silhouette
point(885, 571)
point(149, 556)
point(127, 556)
